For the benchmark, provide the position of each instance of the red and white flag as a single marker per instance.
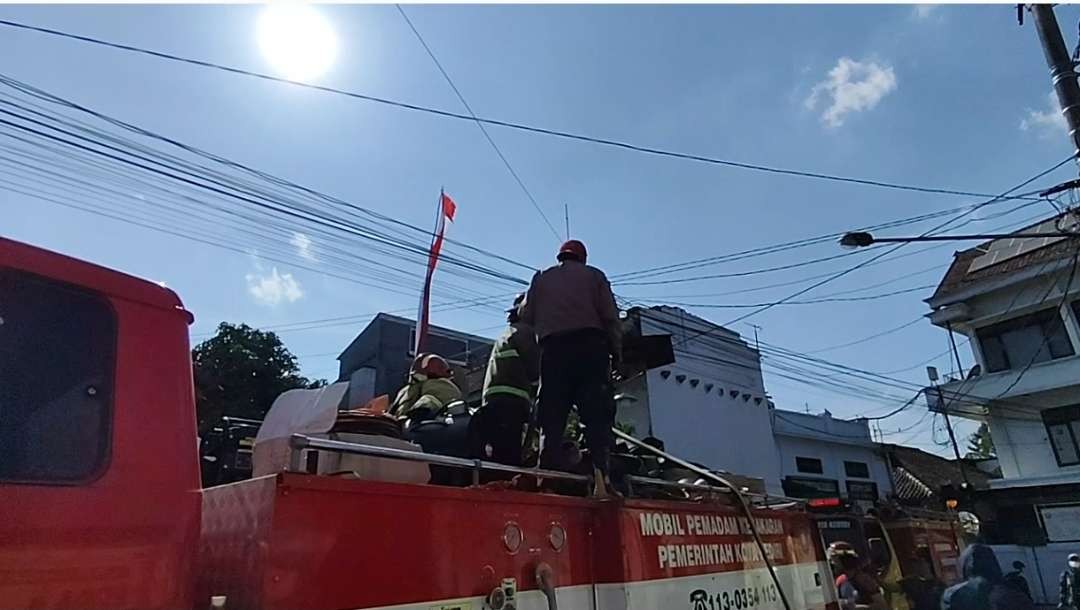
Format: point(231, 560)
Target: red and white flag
point(447, 209)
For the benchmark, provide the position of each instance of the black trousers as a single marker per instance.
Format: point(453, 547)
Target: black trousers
point(500, 424)
point(575, 370)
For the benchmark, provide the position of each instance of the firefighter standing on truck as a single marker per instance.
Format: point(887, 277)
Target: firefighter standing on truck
point(573, 311)
point(513, 374)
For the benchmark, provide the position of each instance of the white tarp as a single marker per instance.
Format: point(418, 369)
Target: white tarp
point(310, 412)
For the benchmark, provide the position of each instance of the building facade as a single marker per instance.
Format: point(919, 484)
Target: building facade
point(824, 457)
point(710, 405)
point(1017, 302)
point(377, 361)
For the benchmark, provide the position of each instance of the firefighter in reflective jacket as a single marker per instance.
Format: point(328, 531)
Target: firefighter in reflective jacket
point(513, 374)
point(429, 388)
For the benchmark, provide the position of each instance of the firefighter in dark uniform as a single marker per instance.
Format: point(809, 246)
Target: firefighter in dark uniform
point(573, 311)
point(513, 374)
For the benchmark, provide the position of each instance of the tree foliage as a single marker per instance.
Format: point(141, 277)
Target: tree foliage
point(240, 371)
point(980, 444)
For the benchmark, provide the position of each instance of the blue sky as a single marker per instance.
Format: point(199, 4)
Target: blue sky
point(950, 96)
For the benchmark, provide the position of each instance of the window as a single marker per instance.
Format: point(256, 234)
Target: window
point(806, 487)
point(857, 470)
point(1015, 343)
point(57, 354)
point(1063, 427)
point(862, 490)
point(809, 465)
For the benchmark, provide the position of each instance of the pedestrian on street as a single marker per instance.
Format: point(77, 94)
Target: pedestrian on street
point(1016, 579)
point(1069, 594)
point(984, 586)
point(573, 311)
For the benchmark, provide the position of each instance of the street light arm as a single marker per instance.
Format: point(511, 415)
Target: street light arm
point(859, 239)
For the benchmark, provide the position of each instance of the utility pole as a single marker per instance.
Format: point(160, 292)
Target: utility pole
point(1061, 68)
point(945, 408)
point(566, 215)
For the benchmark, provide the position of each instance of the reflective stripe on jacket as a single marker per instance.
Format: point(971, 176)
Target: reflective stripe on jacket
point(514, 365)
point(433, 394)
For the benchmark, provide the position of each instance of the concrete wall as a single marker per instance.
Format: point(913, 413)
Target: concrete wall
point(832, 452)
point(710, 406)
point(1023, 448)
point(713, 429)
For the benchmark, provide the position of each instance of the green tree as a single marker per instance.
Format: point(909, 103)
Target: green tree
point(240, 371)
point(980, 445)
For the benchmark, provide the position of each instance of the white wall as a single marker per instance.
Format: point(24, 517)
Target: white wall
point(716, 430)
point(833, 441)
point(832, 456)
point(689, 405)
point(1023, 448)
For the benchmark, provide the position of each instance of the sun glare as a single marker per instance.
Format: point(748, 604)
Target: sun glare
point(296, 40)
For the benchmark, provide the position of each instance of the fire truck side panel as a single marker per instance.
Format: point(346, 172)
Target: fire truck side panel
point(337, 543)
point(697, 557)
point(234, 548)
point(125, 537)
point(927, 537)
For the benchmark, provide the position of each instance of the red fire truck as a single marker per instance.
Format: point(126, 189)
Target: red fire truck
point(101, 505)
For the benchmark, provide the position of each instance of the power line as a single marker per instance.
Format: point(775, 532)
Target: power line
point(192, 179)
point(831, 299)
point(500, 123)
point(57, 100)
point(869, 337)
point(840, 274)
point(479, 123)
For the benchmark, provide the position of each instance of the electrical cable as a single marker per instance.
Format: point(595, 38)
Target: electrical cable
point(479, 124)
point(507, 124)
point(829, 299)
point(893, 249)
point(57, 100)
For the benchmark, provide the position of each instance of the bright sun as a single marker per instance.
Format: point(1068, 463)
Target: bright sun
point(297, 41)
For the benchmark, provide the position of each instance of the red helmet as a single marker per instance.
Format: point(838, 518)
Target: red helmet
point(432, 365)
point(572, 249)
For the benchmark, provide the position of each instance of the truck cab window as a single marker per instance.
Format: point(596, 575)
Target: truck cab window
point(57, 361)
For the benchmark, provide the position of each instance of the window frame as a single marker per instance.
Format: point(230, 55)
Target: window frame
point(870, 484)
point(799, 459)
point(812, 482)
point(104, 460)
point(991, 334)
point(865, 466)
point(1066, 416)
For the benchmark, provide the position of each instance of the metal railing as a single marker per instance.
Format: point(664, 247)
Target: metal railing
point(299, 442)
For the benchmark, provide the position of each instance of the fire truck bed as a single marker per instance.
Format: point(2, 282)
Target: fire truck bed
point(298, 542)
